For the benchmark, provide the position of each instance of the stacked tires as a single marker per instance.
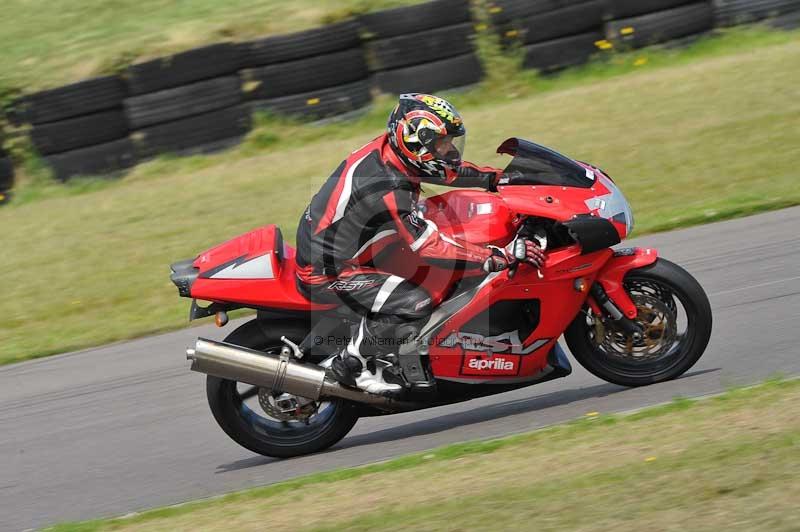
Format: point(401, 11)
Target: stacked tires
point(639, 23)
point(316, 73)
point(79, 128)
point(788, 21)
point(554, 34)
point(202, 100)
point(6, 176)
point(186, 103)
point(731, 12)
point(422, 48)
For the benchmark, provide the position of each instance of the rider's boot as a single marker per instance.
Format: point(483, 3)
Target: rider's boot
point(360, 366)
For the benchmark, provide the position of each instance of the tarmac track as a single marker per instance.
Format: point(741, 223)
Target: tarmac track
point(126, 427)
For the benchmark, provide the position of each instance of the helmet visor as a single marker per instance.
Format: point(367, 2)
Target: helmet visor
point(449, 148)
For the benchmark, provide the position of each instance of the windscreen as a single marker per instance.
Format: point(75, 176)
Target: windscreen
point(534, 164)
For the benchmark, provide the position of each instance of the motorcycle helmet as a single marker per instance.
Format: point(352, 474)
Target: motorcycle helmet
point(427, 134)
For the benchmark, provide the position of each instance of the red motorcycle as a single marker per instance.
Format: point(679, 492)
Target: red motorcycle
point(628, 316)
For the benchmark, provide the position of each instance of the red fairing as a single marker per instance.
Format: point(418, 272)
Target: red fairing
point(613, 273)
point(451, 353)
point(472, 215)
point(252, 244)
point(561, 203)
point(255, 269)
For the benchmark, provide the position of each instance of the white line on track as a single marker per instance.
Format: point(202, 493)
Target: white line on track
point(759, 285)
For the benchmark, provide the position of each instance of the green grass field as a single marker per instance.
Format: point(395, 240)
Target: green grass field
point(725, 463)
point(690, 136)
point(46, 44)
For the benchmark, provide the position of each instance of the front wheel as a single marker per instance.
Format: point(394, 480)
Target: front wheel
point(675, 314)
point(270, 423)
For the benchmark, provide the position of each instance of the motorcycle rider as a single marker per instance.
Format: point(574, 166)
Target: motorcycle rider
point(370, 202)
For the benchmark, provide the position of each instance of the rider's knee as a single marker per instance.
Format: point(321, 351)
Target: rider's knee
point(419, 309)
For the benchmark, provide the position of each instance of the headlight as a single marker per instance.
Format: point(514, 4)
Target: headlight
point(612, 206)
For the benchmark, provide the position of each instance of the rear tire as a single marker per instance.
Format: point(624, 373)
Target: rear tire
point(294, 77)
point(682, 289)
point(299, 45)
point(181, 102)
point(450, 73)
point(196, 134)
point(101, 159)
point(78, 99)
point(661, 26)
point(414, 18)
point(571, 20)
point(181, 69)
point(562, 53)
point(75, 133)
point(263, 435)
point(6, 173)
point(318, 104)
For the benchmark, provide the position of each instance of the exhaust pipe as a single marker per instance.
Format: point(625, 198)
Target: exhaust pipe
point(278, 373)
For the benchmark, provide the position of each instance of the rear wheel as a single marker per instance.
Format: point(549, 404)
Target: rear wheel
point(673, 311)
point(270, 423)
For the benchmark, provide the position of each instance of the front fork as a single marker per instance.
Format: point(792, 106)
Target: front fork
point(599, 300)
point(608, 295)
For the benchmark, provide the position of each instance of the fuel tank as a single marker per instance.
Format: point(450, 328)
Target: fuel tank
point(472, 215)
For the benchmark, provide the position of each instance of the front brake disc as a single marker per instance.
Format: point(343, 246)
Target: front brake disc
point(659, 334)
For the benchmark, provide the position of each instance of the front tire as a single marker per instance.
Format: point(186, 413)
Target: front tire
point(239, 415)
point(660, 291)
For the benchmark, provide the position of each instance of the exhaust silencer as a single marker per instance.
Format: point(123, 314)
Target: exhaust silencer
point(253, 367)
point(278, 373)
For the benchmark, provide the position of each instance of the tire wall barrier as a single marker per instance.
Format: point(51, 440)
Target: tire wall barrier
point(6, 175)
point(202, 100)
point(312, 74)
point(554, 34)
point(422, 48)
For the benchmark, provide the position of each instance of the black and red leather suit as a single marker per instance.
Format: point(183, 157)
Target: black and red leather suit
point(368, 203)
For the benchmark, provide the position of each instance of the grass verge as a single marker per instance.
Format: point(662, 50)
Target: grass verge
point(726, 463)
point(691, 136)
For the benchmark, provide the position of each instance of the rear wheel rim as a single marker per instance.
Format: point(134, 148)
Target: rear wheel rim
point(254, 421)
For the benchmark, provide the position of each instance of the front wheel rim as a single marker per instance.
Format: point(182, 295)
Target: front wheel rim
point(662, 308)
